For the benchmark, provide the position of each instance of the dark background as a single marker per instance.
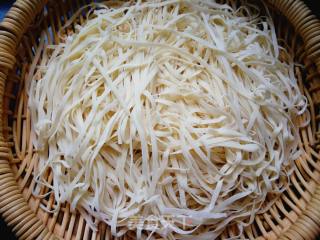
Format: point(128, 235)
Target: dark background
point(5, 232)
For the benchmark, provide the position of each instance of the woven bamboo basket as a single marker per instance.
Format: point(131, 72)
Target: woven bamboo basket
point(295, 215)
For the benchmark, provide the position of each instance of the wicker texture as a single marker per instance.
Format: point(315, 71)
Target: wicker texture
point(295, 215)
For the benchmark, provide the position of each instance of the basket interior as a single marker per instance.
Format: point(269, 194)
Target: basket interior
point(67, 225)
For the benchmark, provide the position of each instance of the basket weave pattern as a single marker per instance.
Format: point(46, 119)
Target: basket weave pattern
point(295, 215)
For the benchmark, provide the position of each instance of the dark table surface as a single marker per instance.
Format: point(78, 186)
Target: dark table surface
point(5, 232)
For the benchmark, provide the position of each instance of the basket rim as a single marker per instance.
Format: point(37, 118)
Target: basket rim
point(298, 14)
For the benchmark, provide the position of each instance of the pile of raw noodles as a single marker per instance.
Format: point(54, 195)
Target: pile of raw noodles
point(180, 110)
